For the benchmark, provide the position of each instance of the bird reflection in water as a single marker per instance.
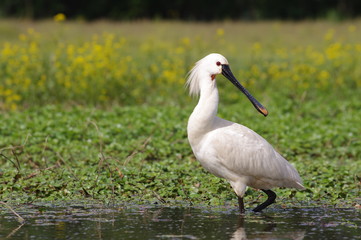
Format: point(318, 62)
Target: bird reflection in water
point(246, 230)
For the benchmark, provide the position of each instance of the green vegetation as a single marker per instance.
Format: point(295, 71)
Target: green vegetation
point(128, 142)
point(142, 154)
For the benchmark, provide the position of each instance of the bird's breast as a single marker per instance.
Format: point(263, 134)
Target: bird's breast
point(207, 155)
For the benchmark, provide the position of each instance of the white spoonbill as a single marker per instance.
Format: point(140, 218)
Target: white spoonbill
point(230, 150)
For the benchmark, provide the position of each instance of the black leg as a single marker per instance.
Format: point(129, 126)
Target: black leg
point(271, 199)
point(241, 205)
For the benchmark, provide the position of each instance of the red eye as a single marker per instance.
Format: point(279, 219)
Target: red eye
point(218, 63)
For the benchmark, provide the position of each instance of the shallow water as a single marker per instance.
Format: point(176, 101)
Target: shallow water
point(156, 222)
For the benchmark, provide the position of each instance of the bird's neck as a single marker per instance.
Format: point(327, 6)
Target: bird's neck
point(203, 116)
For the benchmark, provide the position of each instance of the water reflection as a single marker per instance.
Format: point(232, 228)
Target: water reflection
point(150, 222)
point(14, 231)
point(268, 231)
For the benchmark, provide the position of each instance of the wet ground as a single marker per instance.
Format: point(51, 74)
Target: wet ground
point(74, 221)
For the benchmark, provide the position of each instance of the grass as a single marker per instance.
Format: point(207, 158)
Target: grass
point(110, 125)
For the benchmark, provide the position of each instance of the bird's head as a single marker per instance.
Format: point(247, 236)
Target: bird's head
point(212, 64)
point(209, 67)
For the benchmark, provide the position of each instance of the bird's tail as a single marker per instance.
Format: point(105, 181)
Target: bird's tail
point(298, 185)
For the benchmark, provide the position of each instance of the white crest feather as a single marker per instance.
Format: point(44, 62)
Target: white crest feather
point(193, 80)
point(205, 64)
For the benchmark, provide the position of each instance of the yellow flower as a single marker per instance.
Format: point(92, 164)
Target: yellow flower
point(23, 37)
point(33, 48)
point(31, 31)
point(323, 75)
point(296, 78)
point(13, 106)
point(186, 41)
point(273, 70)
point(8, 50)
point(179, 50)
point(323, 78)
point(358, 47)
point(79, 60)
point(60, 17)
point(333, 51)
point(329, 35)
point(257, 47)
point(169, 76)
point(220, 32)
point(255, 70)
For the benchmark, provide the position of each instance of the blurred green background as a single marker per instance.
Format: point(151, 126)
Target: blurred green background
point(183, 10)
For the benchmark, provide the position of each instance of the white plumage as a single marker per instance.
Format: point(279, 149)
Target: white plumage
point(230, 150)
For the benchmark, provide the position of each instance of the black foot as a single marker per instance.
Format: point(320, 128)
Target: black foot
point(241, 205)
point(271, 199)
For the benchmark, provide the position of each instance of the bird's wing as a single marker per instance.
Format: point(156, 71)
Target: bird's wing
point(246, 153)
